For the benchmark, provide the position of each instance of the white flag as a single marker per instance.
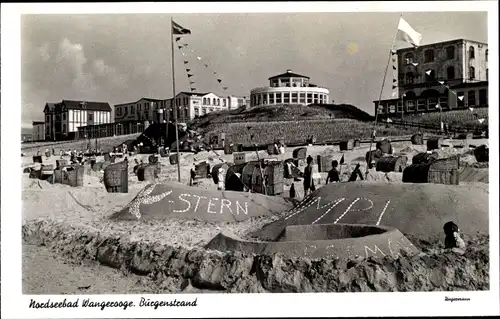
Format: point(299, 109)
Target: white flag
point(461, 98)
point(438, 106)
point(389, 121)
point(414, 63)
point(408, 34)
point(481, 121)
point(198, 58)
point(428, 72)
point(471, 109)
point(441, 82)
point(394, 94)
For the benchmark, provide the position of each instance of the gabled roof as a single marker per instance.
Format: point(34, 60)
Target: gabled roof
point(194, 93)
point(49, 107)
point(86, 105)
point(288, 74)
point(142, 98)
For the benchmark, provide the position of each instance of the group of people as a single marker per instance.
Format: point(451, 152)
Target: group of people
point(333, 175)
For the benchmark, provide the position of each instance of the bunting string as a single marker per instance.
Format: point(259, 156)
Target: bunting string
point(185, 47)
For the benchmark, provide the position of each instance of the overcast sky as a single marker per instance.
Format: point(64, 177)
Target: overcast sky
point(121, 58)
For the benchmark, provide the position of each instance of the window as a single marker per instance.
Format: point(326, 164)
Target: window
point(460, 102)
point(302, 98)
point(471, 52)
point(410, 106)
point(278, 98)
point(204, 101)
point(132, 109)
point(421, 105)
point(443, 102)
point(316, 98)
point(309, 98)
point(214, 101)
point(139, 107)
point(430, 76)
point(400, 106)
point(186, 113)
point(429, 56)
point(450, 53)
point(486, 55)
point(90, 117)
point(472, 73)
point(264, 99)
point(295, 97)
point(64, 128)
point(483, 97)
point(196, 111)
point(450, 73)
point(409, 58)
point(64, 116)
point(431, 103)
point(125, 111)
point(287, 97)
point(471, 98)
point(224, 102)
point(271, 98)
point(410, 78)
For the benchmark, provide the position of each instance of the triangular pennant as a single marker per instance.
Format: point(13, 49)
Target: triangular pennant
point(177, 39)
point(187, 70)
point(394, 67)
point(394, 80)
point(404, 95)
point(198, 58)
point(414, 63)
point(342, 160)
point(206, 65)
point(389, 120)
point(461, 98)
point(225, 88)
point(394, 60)
point(215, 73)
point(186, 62)
point(219, 80)
point(441, 82)
point(481, 121)
point(180, 46)
point(193, 89)
point(394, 94)
point(438, 106)
point(393, 87)
point(189, 75)
point(185, 44)
point(428, 72)
point(183, 54)
point(393, 52)
point(471, 109)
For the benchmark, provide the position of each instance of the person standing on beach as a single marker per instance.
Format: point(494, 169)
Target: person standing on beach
point(308, 180)
point(333, 174)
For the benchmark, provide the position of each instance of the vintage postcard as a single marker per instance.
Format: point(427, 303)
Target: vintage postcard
point(249, 159)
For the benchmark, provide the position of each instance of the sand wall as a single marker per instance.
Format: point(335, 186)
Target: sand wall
point(179, 269)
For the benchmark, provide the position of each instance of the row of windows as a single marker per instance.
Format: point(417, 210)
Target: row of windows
point(450, 75)
point(214, 101)
point(449, 52)
point(294, 97)
point(430, 103)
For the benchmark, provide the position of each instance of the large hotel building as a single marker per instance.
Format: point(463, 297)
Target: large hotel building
point(452, 73)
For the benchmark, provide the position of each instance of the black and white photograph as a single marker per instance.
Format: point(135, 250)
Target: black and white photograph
point(174, 156)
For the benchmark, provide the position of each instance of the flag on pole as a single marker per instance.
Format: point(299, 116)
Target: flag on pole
point(342, 160)
point(394, 67)
point(393, 52)
point(389, 120)
point(441, 82)
point(471, 109)
point(414, 63)
point(178, 29)
point(408, 34)
point(481, 121)
point(461, 98)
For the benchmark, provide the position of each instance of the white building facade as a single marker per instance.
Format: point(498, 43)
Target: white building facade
point(38, 132)
point(289, 88)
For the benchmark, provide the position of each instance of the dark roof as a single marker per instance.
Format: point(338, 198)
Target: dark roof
point(91, 106)
point(469, 85)
point(38, 122)
point(193, 93)
point(142, 98)
point(287, 75)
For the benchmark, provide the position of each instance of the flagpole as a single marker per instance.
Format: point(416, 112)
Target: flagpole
point(380, 98)
point(174, 105)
